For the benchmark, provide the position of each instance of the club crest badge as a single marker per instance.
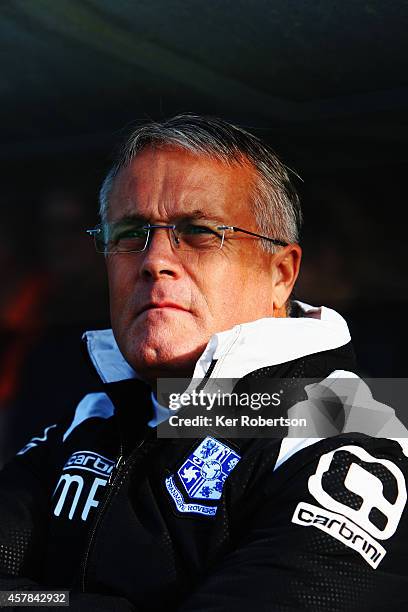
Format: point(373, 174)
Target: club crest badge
point(202, 476)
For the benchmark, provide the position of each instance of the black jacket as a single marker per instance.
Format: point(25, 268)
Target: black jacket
point(100, 506)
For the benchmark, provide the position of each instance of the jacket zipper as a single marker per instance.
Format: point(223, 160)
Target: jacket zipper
point(115, 469)
point(113, 479)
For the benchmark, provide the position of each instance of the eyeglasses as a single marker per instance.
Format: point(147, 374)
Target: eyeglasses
point(131, 237)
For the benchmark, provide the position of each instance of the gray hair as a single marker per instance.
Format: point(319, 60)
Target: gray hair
point(275, 202)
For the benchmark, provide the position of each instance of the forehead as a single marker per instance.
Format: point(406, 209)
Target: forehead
point(161, 183)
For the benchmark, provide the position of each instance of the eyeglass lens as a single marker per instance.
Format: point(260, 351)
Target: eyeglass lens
point(184, 236)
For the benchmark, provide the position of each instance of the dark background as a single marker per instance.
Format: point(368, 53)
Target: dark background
point(324, 82)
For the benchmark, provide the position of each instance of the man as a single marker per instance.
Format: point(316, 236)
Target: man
point(199, 228)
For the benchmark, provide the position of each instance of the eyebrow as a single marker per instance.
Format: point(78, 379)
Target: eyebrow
point(192, 215)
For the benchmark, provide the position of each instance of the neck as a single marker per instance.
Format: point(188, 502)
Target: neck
point(280, 312)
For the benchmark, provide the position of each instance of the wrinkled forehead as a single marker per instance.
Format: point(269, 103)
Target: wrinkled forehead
point(165, 183)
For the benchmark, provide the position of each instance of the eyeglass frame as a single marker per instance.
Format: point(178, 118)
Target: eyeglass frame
point(149, 226)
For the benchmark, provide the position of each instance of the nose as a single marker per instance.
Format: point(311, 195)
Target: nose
point(159, 257)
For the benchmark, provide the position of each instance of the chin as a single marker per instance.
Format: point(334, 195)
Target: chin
point(167, 357)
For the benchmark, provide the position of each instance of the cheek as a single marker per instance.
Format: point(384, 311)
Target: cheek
point(241, 294)
point(121, 288)
point(219, 291)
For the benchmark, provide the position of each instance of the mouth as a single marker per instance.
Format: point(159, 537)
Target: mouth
point(159, 306)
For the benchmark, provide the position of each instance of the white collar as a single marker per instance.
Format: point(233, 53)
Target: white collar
point(271, 341)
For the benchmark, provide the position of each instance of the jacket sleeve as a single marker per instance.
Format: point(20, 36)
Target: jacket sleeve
point(24, 494)
point(329, 534)
point(25, 486)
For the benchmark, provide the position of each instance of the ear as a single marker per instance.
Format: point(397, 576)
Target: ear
point(285, 269)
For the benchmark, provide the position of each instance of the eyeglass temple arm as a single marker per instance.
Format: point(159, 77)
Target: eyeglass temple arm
point(239, 229)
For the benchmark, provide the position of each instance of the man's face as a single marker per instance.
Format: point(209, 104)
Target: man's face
point(206, 292)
